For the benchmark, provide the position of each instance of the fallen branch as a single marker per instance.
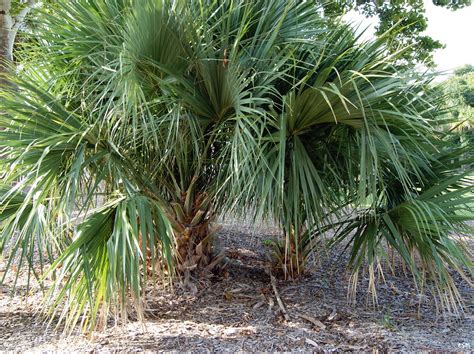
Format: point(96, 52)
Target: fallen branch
point(279, 300)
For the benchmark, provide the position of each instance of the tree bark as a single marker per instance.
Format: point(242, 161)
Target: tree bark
point(6, 25)
point(9, 27)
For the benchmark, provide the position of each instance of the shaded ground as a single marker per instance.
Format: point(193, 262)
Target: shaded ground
point(239, 311)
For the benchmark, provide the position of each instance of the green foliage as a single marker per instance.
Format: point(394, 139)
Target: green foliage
point(132, 124)
point(459, 91)
point(453, 4)
point(401, 23)
point(466, 69)
point(404, 22)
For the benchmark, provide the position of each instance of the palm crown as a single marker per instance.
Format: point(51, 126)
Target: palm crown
point(132, 126)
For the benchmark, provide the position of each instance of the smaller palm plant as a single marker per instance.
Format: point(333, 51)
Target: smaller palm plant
point(290, 255)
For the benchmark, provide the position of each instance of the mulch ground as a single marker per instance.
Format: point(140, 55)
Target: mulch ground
point(238, 311)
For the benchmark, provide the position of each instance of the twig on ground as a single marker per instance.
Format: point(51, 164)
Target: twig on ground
point(314, 321)
point(279, 300)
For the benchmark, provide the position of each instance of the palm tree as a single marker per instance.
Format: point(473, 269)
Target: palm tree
point(132, 126)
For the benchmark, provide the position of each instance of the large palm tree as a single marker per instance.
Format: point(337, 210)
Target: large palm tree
point(133, 125)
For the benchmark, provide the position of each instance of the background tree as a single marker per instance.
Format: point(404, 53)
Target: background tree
point(402, 22)
point(459, 90)
point(12, 17)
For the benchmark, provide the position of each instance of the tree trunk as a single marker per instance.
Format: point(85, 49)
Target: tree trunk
point(9, 27)
point(6, 47)
point(193, 220)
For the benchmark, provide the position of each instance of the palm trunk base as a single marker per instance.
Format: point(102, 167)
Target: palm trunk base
point(196, 252)
point(291, 268)
point(290, 256)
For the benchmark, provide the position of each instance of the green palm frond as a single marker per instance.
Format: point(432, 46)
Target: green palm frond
point(427, 232)
point(106, 262)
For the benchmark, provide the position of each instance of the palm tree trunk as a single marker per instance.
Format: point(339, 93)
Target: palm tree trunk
point(290, 254)
point(194, 233)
